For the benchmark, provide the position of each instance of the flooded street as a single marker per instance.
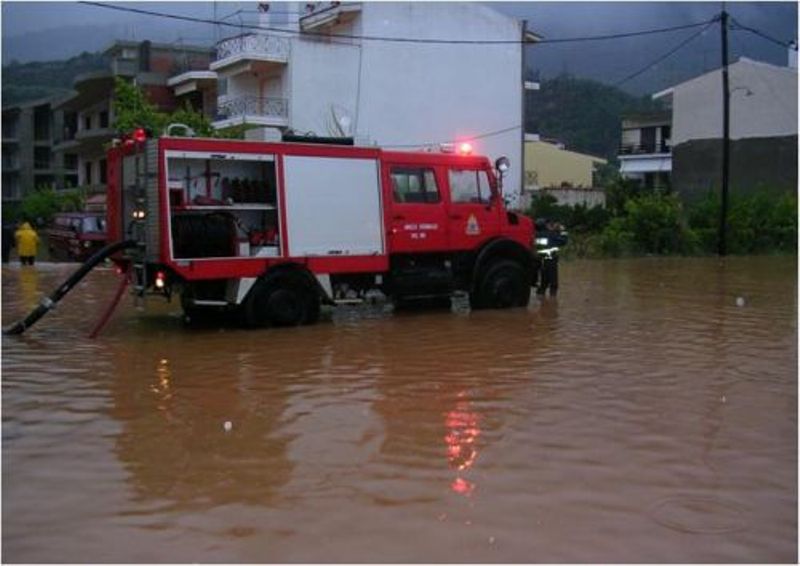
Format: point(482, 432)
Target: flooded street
point(642, 416)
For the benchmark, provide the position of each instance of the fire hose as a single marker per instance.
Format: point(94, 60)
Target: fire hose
point(47, 303)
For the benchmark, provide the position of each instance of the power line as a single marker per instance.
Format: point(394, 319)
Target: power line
point(669, 53)
point(392, 39)
point(761, 34)
point(470, 138)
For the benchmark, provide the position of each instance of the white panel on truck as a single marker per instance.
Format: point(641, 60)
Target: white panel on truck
point(333, 206)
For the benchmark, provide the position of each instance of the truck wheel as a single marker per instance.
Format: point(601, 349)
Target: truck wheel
point(504, 285)
point(287, 306)
point(286, 302)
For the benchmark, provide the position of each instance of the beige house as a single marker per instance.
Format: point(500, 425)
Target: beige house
point(567, 175)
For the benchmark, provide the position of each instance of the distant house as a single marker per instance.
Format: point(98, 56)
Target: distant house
point(567, 175)
point(763, 129)
point(60, 141)
point(28, 135)
point(645, 153)
point(319, 73)
point(88, 115)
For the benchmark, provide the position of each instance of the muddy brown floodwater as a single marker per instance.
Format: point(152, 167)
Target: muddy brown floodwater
point(642, 416)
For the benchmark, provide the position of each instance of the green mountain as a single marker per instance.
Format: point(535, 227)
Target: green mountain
point(583, 114)
point(29, 81)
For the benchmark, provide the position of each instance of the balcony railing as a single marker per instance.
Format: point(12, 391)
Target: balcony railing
point(644, 149)
point(277, 108)
point(256, 45)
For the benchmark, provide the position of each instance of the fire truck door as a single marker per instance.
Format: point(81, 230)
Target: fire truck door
point(417, 217)
point(473, 210)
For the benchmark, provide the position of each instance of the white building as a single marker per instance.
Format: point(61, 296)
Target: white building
point(763, 131)
point(334, 73)
point(645, 151)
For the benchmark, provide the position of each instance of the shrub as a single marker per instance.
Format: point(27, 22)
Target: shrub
point(655, 220)
point(615, 240)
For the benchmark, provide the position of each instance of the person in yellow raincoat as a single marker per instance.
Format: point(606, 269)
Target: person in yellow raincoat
point(27, 242)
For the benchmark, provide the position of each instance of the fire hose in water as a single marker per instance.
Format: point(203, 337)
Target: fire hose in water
point(48, 303)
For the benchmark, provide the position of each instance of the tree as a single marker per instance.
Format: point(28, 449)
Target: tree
point(133, 110)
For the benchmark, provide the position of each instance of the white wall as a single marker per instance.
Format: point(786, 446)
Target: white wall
point(763, 103)
point(428, 93)
point(321, 76)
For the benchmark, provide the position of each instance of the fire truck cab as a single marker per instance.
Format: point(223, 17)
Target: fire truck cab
point(273, 230)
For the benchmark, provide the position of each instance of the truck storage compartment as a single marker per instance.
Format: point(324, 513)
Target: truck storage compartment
point(222, 204)
point(204, 235)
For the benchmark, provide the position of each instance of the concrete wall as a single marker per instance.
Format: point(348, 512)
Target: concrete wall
point(548, 166)
point(411, 96)
point(571, 196)
point(764, 164)
point(422, 93)
point(763, 103)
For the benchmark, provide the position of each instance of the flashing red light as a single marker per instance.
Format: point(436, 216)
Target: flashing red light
point(160, 279)
point(139, 135)
point(465, 148)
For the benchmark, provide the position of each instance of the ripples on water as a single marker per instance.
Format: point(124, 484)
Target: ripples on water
point(641, 416)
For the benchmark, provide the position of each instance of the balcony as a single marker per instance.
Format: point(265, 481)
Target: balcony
point(250, 53)
point(321, 15)
point(192, 81)
point(645, 149)
point(639, 159)
point(252, 110)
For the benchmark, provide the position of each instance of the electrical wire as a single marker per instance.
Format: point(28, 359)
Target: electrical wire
point(666, 55)
point(761, 34)
point(470, 138)
point(393, 39)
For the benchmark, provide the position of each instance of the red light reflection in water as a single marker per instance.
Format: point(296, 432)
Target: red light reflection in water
point(462, 428)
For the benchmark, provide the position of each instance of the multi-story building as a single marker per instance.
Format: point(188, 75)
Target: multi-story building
point(371, 72)
point(763, 129)
point(88, 115)
point(645, 153)
point(28, 161)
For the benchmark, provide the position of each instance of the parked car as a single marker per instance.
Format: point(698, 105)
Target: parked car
point(75, 236)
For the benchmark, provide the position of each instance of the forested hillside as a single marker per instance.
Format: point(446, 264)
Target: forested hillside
point(29, 81)
point(583, 114)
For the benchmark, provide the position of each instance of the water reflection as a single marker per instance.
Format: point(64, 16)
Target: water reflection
point(173, 440)
point(641, 405)
point(29, 286)
point(462, 424)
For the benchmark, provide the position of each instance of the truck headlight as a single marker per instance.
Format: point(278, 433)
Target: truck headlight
point(541, 241)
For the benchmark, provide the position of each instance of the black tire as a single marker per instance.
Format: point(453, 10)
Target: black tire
point(287, 301)
point(504, 284)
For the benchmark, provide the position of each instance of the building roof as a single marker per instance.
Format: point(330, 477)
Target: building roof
point(560, 147)
point(119, 44)
point(668, 92)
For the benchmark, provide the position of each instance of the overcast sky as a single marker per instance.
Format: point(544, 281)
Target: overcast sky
point(56, 30)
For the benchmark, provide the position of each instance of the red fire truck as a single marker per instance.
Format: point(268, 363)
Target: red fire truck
point(273, 230)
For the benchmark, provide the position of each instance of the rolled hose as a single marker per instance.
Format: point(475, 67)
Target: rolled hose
point(48, 303)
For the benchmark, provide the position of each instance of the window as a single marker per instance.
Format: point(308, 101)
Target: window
point(411, 185)
point(87, 122)
point(87, 172)
point(94, 224)
point(104, 119)
point(103, 171)
point(469, 187)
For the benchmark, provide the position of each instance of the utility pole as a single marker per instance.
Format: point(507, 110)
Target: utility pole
point(726, 142)
point(523, 72)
